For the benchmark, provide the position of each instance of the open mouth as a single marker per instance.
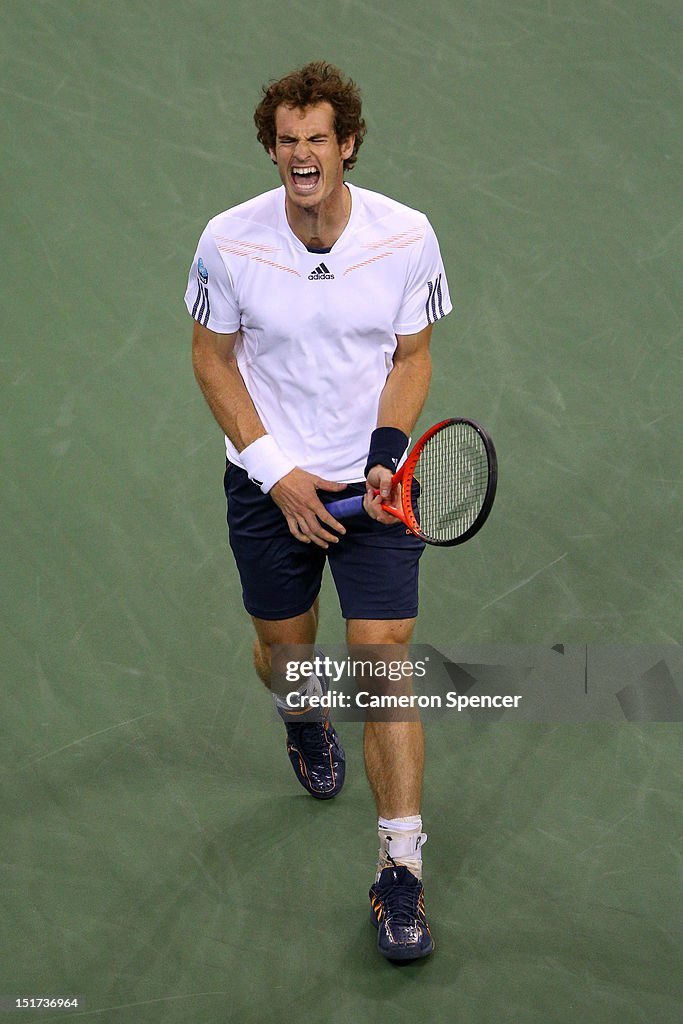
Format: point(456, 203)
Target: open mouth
point(305, 179)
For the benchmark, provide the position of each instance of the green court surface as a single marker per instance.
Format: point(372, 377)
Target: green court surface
point(156, 854)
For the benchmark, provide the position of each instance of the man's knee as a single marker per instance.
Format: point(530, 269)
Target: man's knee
point(379, 631)
point(300, 630)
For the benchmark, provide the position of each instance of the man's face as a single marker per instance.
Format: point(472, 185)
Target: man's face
point(308, 156)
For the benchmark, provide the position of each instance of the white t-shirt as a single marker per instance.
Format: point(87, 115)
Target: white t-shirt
point(318, 330)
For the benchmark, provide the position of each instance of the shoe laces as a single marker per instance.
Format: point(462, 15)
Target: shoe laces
point(312, 737)
point(401, 900)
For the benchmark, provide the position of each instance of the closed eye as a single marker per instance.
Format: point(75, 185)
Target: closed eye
point(287, 140)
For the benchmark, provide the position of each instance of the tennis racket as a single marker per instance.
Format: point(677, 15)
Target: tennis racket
point(448, 483)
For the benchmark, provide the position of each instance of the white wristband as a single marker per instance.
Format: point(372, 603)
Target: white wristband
point(265, 463)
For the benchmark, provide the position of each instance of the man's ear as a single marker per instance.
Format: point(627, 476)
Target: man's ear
point(271, 153)
point(346, 147)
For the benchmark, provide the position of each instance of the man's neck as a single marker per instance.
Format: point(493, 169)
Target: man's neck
point(321, 226)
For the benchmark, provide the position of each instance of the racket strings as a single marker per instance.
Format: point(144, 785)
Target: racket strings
point(453, 476)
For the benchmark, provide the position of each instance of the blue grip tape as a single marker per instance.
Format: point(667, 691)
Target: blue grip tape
point(346, 507)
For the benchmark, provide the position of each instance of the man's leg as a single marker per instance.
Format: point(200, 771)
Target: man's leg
point(394, 751)
point(394, 762)
point(313, 747)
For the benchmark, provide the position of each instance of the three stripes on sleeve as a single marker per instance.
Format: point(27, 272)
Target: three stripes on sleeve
point(434, 303)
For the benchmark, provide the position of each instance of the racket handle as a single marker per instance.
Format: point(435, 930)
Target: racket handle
point(346, 507)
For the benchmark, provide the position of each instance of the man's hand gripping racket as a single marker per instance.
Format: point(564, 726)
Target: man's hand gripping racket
point(445, 488)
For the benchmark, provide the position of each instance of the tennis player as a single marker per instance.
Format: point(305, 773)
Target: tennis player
point(313, 306)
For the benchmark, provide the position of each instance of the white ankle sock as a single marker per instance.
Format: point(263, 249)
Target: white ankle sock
point(309, 688)
point(401, 841)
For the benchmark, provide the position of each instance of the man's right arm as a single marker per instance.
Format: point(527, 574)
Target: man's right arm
point(218, 375)
point(223, 387)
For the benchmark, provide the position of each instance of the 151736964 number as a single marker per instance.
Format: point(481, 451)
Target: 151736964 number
point(31, 1002)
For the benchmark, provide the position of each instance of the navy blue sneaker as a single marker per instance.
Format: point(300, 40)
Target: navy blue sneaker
point(398, 913)
point(317, 757)
point(313, 746)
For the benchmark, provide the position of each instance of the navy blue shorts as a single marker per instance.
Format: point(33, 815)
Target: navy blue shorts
point(374, 566)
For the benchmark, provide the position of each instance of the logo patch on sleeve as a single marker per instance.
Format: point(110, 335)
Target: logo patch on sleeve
point(202, 307)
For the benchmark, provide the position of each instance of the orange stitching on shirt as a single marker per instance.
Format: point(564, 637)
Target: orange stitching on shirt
point(238, 248)
point(400, 241)
point(365, 263)
point(245, 246)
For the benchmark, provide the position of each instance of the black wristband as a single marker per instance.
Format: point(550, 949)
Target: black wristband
point(387, 445)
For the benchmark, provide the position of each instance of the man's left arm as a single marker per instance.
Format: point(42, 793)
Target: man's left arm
point(400, 404)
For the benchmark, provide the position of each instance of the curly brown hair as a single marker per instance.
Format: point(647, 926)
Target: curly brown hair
point(317, 82)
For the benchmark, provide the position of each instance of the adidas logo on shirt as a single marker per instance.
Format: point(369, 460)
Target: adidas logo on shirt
point(321, 273)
